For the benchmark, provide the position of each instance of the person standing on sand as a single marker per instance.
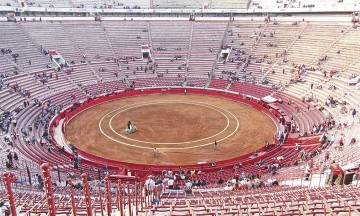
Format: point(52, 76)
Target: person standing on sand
point(215, 146)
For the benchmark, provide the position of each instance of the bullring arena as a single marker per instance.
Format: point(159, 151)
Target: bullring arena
point(179, 108)
point(182, 128)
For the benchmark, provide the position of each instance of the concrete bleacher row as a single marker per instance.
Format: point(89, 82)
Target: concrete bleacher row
point(216, 4)
point(6, 66)
point(243, 4)
point(88, 4)
point(201, 4)
point(305, 118)
point(192, 41)
point(35, 152)
point(22, 45)
point(175, 41)
point(131, 4)
point(9, 2)
point(264, 201)
point(301, 4)
point(205, 36)
point(59, 39)
point(318, 38)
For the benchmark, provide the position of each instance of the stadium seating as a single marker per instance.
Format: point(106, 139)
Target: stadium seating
point(22, 45)
point(197, 45)
point(187, 4)
point(177, 4)
point(9, 2)
point(47, 3)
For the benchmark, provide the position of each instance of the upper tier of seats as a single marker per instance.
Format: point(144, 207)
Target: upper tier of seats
point(191, 49)
point(187, 4)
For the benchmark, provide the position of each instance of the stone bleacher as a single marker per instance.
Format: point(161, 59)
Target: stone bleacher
point(9, 3)
point(131, 4)
point(49, 3)
point(305, 118)
point(83, 74)
point(157, 81)
point(89, 3)
point(175, 41)
point(206, 35)
point(271, 4)
point(314, 42)
point(10, 101)
point(6, 66)
point(178, 4)
point(195, 4)
point(106, 70)
point(123, 37)
point(257, 91)
point(60, 83)
point(104, 87)
point(229, 4)
point(90, 39)
point(348, 46)
point(280, 35)
point(52, 36)
point(22, 45)
point(219, 84)
point(196, 81)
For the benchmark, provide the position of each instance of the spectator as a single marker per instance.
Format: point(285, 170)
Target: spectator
point(220, 181)
point(155, 201)
point(352, 141)
point(203, 182)
point(4, 208)
point(242, 176)
point(171, 183)
point(188, 184)
point(213, 164)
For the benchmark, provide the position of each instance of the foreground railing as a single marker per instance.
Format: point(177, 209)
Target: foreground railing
point(94, 197)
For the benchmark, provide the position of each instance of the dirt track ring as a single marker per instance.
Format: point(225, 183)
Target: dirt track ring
point(198, 143)
point(177, 120)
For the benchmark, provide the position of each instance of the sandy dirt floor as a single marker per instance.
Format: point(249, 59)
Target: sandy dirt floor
point(183, 128)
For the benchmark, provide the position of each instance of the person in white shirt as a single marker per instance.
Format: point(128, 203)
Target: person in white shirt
point(332, 139)
point(228, 186)
point(149, 183)
point(171, 184)
point(4, 208)
point(170, 173)
point(233, 181)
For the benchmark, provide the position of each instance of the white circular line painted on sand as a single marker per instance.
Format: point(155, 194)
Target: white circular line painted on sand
point(168, 143)
point(176, 148)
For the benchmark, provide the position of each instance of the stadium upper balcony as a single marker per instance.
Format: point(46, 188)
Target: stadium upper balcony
point(186, 6)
